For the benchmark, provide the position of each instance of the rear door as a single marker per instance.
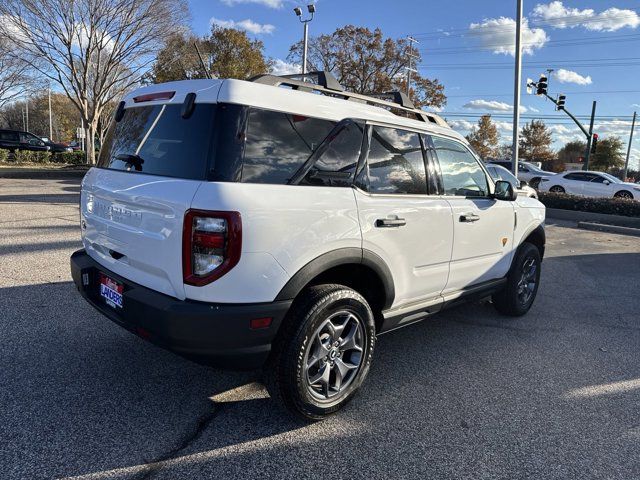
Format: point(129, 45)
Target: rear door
point(151, 165)
point(482, 226)
point(401, 222)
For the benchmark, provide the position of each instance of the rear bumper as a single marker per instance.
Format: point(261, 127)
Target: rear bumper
point(213, 334)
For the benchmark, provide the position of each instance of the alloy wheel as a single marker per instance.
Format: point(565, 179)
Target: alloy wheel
point(334, 356)
point(527, 283)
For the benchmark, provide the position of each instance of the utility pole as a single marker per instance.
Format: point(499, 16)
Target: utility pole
point(590, 137)
point(311, 8)
point(411, 56)
point(26, 103)
point(516, 90)
point(50, 118)
point(626, 163)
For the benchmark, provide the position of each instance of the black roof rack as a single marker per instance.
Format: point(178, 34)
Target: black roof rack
point(325, 83)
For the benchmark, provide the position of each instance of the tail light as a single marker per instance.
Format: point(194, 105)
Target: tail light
point(211, 245)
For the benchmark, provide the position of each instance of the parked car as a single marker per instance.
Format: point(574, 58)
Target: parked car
point(590, 184)
point(274, 223)
point(56, 147)
point(500, 173)
point(13, 140)
point(527, 171)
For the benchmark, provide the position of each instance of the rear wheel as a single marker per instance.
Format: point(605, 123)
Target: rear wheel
point(323, 352)
point(557, 189)
point(523, 279)
point(623, 194)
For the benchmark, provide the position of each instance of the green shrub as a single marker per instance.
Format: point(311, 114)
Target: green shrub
point(27, 156)
point(610, 206)
point(73, 158)
point(4, 155)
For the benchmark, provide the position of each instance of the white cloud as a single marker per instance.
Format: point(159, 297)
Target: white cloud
point(499, 36)
point(534, 110)
point(635, 105)
point(461, 125)
point(247, 25)
point(557, 15)
point(492, 105)
point(266, 3)
point(568, 76)
point(280, 67)
point(434, 109)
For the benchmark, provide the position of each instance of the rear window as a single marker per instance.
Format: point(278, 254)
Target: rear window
point(156, 140)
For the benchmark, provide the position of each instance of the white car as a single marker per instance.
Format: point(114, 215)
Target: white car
point(284, 224)
point(527, 171)
point(500, 173)
point(590, 184)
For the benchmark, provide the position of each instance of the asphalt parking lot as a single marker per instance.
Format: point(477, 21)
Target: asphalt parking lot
point(466, 394)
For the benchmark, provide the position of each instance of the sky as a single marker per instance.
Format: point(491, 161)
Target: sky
point(593, 46)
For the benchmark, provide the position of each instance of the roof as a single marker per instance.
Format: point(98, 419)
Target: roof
point(288, 100)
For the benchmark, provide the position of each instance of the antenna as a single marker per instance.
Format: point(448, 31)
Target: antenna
point(206, 70)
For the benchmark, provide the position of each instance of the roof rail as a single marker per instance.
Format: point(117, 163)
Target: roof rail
point(328, 85)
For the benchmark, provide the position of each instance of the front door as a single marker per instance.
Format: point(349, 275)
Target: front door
point(409, 229)
point(482, 226)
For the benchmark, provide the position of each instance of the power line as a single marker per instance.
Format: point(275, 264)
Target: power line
point(586, 92)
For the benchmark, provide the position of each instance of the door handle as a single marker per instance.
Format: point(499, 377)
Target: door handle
point(469, 217)
point(390, 222)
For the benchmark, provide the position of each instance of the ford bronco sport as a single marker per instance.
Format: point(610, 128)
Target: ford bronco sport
point(285, 223)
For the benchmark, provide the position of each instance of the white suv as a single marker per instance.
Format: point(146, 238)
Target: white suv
point(285, 224)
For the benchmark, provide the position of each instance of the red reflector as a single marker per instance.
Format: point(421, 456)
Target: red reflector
point(142, 333)
point(261, 322)
point(208, 240)
point(149, 97)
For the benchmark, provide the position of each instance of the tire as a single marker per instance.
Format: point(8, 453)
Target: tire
point(624, 194)
point(516, 298)
point(307, 346)
point(557, 189)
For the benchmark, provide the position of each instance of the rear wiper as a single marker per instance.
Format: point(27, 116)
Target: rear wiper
point(131, 159)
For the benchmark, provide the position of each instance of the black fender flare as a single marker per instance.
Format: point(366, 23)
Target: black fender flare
point(335, 258)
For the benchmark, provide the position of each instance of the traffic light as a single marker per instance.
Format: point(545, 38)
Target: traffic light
point(594, 143)
point(562, 99)
point(543, 85)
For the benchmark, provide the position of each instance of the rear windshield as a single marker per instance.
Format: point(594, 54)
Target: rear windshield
point(156, 140)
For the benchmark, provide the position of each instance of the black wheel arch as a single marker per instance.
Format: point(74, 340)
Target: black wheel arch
point(363, 260)
point(537, 237)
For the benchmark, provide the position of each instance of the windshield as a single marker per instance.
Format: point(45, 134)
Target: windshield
point(611, 178)
point(533, 166)
point(156, 140)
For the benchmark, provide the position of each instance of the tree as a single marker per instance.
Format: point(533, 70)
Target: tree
point(15, 75)
point(366, 62)
point(484, 138)
point(572, 152)
point(505, 151)
point(228, 53)
point(535, 142)
point(94, 50)
point(609, 154)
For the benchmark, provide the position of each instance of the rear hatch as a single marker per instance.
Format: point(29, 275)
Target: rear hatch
point(150, 167)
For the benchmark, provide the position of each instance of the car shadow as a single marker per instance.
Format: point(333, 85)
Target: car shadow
point(464, 380)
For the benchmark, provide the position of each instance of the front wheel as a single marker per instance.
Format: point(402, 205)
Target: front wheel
point(624, 194)
point(557, 189)
point(523, 279)
point(323, 352)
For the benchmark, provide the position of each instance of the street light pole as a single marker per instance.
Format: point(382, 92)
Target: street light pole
point(626, 163)
point(587, 155)
point(311, 8)
point(50, 118)
point(516, 90)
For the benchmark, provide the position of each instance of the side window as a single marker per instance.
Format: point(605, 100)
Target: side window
point(30, 139)
point(396, 163)
point(461, 173)
point(278, 144)
point(337, 162)
point(597, 179)
point(580, 177)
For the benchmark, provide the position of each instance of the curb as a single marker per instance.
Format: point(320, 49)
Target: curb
point(598, 218)
point(598, 227)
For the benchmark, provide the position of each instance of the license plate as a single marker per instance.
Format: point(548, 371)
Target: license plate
point(111, 291)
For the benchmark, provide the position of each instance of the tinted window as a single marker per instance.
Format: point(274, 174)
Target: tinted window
point(581, 177)
point(158, 141)
point(30, 139)
point(278, 144)
point(9, 136)
point(461, 173)
point(396, 164)
point(338, 158)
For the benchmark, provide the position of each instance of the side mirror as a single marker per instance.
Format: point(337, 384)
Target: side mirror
point(504, 191)
point(607, 182)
